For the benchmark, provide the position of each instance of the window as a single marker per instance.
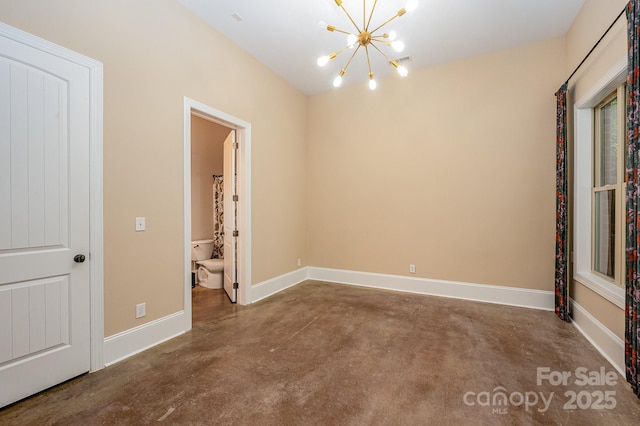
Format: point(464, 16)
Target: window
point(586, 148)
point(608, 187)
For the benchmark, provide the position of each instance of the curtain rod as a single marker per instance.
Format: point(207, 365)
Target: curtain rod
point(596, 45)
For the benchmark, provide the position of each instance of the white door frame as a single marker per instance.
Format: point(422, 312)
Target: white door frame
point(243, 135)
point(96, 254)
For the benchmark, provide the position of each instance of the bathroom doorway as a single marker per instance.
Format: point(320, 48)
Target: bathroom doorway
point(213, 209)
point(224, 156)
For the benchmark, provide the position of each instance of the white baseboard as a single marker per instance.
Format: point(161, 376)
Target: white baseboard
point(275, 285)
point(138, 339)
point(135, 340)
point(527, 298)
point(603, 339)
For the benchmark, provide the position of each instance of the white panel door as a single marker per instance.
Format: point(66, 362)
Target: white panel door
point(230, 217)
point(44, 220)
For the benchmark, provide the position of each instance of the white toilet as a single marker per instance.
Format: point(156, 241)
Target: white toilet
point(209, 272)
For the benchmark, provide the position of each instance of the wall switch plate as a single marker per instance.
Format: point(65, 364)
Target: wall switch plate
point(299, 262)
point(412, 269)
point(141, 310)
point(140, 224)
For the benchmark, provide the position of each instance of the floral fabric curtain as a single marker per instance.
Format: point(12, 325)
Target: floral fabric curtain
point(561, 279)
point(218, 217)
point(632, 166)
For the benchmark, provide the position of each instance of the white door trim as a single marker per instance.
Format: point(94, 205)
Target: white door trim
point(243, 137)
point(96, 254)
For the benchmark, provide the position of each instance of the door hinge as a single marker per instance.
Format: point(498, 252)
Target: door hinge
point(235, 198)
point(235, 285)
point(236, 145)
point(236, 233)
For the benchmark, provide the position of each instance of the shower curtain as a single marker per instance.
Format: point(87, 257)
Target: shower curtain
point(218, 217)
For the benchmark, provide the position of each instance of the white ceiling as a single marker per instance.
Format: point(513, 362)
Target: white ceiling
point(285, 35)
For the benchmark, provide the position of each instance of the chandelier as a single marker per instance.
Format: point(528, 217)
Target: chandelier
point(365, 38)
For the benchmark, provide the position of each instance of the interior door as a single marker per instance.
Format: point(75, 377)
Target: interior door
point(44, 220)
point(230, 217)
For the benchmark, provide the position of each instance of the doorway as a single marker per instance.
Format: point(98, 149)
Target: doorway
point(242, 131)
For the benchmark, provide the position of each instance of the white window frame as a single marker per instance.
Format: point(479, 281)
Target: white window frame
point(619, 187)
point(583, 185)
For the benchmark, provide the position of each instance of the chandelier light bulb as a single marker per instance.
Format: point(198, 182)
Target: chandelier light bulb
point(338, 80)
point(398, 46)
point(392, 35)
point(352, 39)
point(411, 5)
point(402, 71)
point(323, 60)
point(372, 84)
point(322, 25)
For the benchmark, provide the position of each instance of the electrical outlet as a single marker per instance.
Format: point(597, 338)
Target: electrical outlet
point(141, 310)
point(412, 269)
point(140, 224)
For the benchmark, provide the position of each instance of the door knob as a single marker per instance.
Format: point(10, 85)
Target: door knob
point(79, 258)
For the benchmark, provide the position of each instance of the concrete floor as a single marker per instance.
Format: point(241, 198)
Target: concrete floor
point(322, 353)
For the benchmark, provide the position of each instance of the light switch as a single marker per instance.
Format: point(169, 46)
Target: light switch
point(140, 224)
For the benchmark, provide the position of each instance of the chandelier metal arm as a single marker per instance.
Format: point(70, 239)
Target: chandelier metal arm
point(351, 58)
point(338, 30)
point(382, 53)
point(349, 16)
point(380, 39)
point(366, 48)
point(397, 15)
point(337, 52)
point(366, 27)
point(364, 14)
point(393, 62)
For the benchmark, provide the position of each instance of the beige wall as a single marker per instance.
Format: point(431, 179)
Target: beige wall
point(592, 21)
point(155, 52)
point(594, 18)
point(207, 149)
point(451, 169)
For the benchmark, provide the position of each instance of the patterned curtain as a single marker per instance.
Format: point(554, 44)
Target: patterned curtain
point(561, 280)
point(632, 282)
point(218, 217)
